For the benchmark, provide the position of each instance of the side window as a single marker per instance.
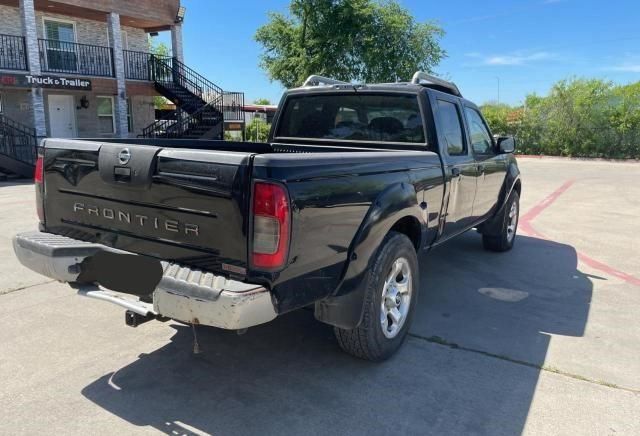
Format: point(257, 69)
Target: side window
point(451, 127)
point(480, 137)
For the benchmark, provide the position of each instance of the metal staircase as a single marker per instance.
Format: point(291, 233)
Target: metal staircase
point(199, 102)
point(17, 147)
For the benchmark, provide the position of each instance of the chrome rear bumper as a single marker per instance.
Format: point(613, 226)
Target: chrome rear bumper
point(183, 293)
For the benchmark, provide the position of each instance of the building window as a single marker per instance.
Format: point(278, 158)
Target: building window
point(105, 115)
point(60, 46)
point(59, 30)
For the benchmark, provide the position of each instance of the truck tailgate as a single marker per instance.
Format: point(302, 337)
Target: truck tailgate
point(188, 206)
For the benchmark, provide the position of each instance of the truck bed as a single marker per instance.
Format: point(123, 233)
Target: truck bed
point(188, 201)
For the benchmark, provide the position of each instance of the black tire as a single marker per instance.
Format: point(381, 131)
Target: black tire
point(506, 238)
point(368, 341)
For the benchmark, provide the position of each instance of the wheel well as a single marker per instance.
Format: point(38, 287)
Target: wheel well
point(409, 226)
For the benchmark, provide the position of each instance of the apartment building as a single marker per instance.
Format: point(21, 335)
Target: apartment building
point(82, 68)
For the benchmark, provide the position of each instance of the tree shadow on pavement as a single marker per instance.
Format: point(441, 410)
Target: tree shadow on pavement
point(15, 182)
point(289, 377)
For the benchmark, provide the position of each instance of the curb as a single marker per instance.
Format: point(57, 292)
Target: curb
point(586, 159)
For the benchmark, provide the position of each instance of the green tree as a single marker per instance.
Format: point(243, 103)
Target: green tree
point(497, 115)
point(159, 48)
point(257, 130)
point(362, 40)
point(579, 117)
point(162, 50)
point(262, 101)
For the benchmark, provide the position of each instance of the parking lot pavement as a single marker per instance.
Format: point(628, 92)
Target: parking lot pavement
point(17, 214)
point(542, 340)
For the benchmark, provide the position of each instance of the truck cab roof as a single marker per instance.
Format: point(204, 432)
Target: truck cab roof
point(403, 87)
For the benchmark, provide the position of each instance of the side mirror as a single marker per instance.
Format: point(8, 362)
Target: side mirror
point(506, 144)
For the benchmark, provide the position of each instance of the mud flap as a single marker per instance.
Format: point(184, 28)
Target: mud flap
point(344, 311)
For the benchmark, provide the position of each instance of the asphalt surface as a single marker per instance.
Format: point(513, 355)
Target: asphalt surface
point(542, 340)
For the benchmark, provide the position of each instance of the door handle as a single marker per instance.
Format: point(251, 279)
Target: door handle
point(455, 172)
point(481, 168)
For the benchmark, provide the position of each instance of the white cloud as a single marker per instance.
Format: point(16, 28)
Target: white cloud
point(516, 58)
point(626, 68)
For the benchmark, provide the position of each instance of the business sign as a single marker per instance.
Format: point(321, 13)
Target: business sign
point(234, 126)
point(53, 82)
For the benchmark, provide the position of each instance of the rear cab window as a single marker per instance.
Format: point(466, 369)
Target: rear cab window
point(353, 117)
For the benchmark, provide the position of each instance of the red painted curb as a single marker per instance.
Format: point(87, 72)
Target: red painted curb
point(526, 225)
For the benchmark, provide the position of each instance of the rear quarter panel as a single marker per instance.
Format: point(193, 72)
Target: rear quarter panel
point(331, 194)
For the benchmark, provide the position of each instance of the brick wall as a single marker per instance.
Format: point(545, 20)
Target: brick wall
point(87, 121)
point(10, 21)
point(17, 106)
point(143, 113)
point(137, 39)
point(87, 31)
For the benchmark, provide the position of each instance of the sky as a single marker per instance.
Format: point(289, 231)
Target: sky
point(497, 50)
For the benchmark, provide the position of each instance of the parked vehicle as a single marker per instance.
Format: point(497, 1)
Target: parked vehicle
point(355, 182)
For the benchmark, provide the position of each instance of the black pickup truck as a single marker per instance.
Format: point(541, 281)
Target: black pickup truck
point(355, 182)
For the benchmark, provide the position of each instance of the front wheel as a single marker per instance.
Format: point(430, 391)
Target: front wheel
point(507, 236)
point(390, 298)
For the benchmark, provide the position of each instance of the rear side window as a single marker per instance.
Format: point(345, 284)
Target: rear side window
point(480, 137)
point(451, 128)
point(354, 117)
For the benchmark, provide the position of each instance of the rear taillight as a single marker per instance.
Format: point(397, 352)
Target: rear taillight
point(271, 217)
point(39, 174)
point(38, 178)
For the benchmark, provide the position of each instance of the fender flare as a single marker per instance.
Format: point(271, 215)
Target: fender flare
point(345, 307)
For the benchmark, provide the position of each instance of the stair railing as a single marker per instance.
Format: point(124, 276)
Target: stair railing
point(175, 77)
point(17, 140)
point(159, 127)
point(177, 127)
point(170, 71)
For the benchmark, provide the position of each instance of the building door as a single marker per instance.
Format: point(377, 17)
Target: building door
point(61, 116)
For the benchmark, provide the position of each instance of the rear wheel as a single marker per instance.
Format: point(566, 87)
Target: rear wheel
point(505, 239)
point(390, 299)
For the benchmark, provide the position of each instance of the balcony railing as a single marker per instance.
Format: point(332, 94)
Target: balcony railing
point(74, 58)
point(138, 65)
point(13, 55)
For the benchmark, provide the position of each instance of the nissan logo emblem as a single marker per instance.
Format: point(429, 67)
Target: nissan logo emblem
point(124, 156)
